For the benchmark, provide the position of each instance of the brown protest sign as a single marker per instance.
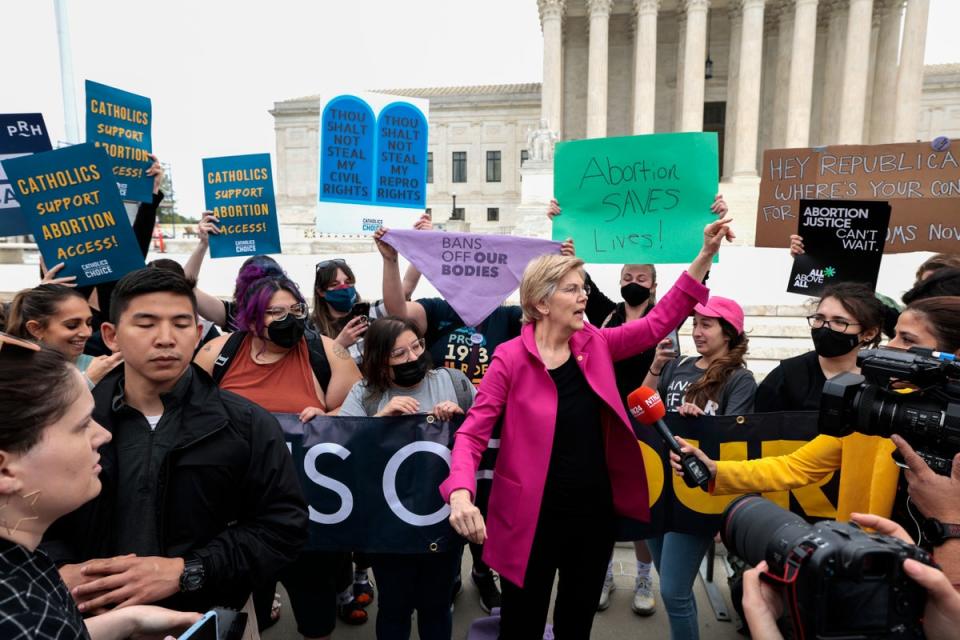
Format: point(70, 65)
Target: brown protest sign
point(922, 186)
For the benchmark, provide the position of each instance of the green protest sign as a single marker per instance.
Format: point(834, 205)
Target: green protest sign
point(638, 198)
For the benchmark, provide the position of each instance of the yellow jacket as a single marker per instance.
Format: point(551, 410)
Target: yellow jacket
point(868, 482)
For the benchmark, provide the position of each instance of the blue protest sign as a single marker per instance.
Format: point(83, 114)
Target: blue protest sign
point(119, 122)
point(401, 151)
point(346, 151)
point(70, 200)
point(20, 134)
point(239, 191)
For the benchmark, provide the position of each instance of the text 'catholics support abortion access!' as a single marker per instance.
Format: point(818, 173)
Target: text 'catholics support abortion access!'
point(71, 202)
point(922, 185)
point(638, 198)
point(239, 191)
point(120, 122)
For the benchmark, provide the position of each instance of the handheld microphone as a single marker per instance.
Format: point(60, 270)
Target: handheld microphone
point(647, 408)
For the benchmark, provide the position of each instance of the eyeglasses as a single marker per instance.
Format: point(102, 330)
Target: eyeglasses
point(299, 311)
point(576, 289)
point(7, 340)
point(817, 321)
point(339, 262)
point(415, 349)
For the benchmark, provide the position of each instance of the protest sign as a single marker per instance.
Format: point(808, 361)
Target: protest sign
point(70, 200)
point(120, 122)
point(921, 184)
point(20, 134)
point(474, 273)
point(372, 484)
point(843, 242)
point(239, 191)
point(373, 162)
point(637, 198)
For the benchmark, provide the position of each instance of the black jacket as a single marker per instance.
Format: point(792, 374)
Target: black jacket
point(228, 494)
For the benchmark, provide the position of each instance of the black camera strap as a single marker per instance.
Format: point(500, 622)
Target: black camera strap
point(788, 583)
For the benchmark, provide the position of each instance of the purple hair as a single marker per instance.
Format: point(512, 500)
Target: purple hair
point(255, 268)
point(256, 300)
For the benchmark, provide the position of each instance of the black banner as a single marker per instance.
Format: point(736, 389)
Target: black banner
point(843, 242)
point(372, 483)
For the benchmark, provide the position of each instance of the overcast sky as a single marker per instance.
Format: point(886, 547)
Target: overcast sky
point(214, 68)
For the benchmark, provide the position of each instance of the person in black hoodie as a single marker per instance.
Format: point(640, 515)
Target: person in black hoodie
point(200, 499)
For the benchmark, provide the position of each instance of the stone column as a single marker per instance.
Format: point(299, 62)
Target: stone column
point(694, 55)
point(910, 73)
point(599, 11)
point(748, 92)
point(856, 65)
point(733, 79)
point(836, 35)
point(645, 65)
point(551, 100)
point(681, 53)
point(885, 71)
point(784, 22)
point(800, 92)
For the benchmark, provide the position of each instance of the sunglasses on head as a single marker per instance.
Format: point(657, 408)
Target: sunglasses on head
point(7, 340)
point(339, 262)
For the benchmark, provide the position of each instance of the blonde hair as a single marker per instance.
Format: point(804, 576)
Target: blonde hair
point(540, 280)
point(652, 268)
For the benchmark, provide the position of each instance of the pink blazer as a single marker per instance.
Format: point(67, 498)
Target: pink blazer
point(518, 386)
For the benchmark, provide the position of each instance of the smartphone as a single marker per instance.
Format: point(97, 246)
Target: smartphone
point(203, 629)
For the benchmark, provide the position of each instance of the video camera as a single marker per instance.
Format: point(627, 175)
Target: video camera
point(837, 580)
point(927, 416)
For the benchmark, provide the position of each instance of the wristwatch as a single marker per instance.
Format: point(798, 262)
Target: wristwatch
point(936, 532)
point(193, 576)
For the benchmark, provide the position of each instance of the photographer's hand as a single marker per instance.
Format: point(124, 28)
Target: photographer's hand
point(881, 525)
point(762, 605)
point(934, 495)
point(941, 617)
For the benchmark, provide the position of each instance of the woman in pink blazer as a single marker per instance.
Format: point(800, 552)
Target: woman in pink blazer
point(569, 462)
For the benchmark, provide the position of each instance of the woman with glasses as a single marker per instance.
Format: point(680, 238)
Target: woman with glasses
point(398, 380)
point(847, 318)
point(273, 365)
point(568, 463)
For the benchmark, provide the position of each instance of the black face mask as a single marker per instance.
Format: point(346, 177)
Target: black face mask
point(410, 373)
point(287, 332)
point(634, 294)
point(830, 344)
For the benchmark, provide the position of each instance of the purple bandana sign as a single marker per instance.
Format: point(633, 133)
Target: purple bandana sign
point(475, 273)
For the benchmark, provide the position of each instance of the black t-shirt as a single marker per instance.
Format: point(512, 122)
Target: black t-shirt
point(470, 349)
point(796, 384)
point(577, 478)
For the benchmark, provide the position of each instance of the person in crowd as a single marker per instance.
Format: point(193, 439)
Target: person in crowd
point(398, 380)
point(935, 263)
point(941, 282)
point(568, 462)
point(871, 481)
point(59, 317)
point(848, 317)
point(715, 382)
point(200, 499)
point(941, 616)
point(274, 364)
point(49, 466)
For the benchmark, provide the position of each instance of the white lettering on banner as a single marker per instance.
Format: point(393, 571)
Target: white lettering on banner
point(390, 483)
point(346, 498)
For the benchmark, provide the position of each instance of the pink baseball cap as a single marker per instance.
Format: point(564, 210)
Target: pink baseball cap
point(725, 308)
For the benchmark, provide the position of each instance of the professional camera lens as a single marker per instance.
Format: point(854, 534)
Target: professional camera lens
point(752, 525)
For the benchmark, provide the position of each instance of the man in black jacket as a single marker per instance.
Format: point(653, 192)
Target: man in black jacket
point(200, 499)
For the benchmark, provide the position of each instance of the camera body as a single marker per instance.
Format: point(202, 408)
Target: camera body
point(927, 416)
point(837, 580)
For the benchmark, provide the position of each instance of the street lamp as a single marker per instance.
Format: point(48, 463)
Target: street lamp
point(453, 211)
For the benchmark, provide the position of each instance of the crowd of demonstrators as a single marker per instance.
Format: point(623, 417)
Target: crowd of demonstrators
point(567, 463)
point(398, 380)
point(848, 317)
